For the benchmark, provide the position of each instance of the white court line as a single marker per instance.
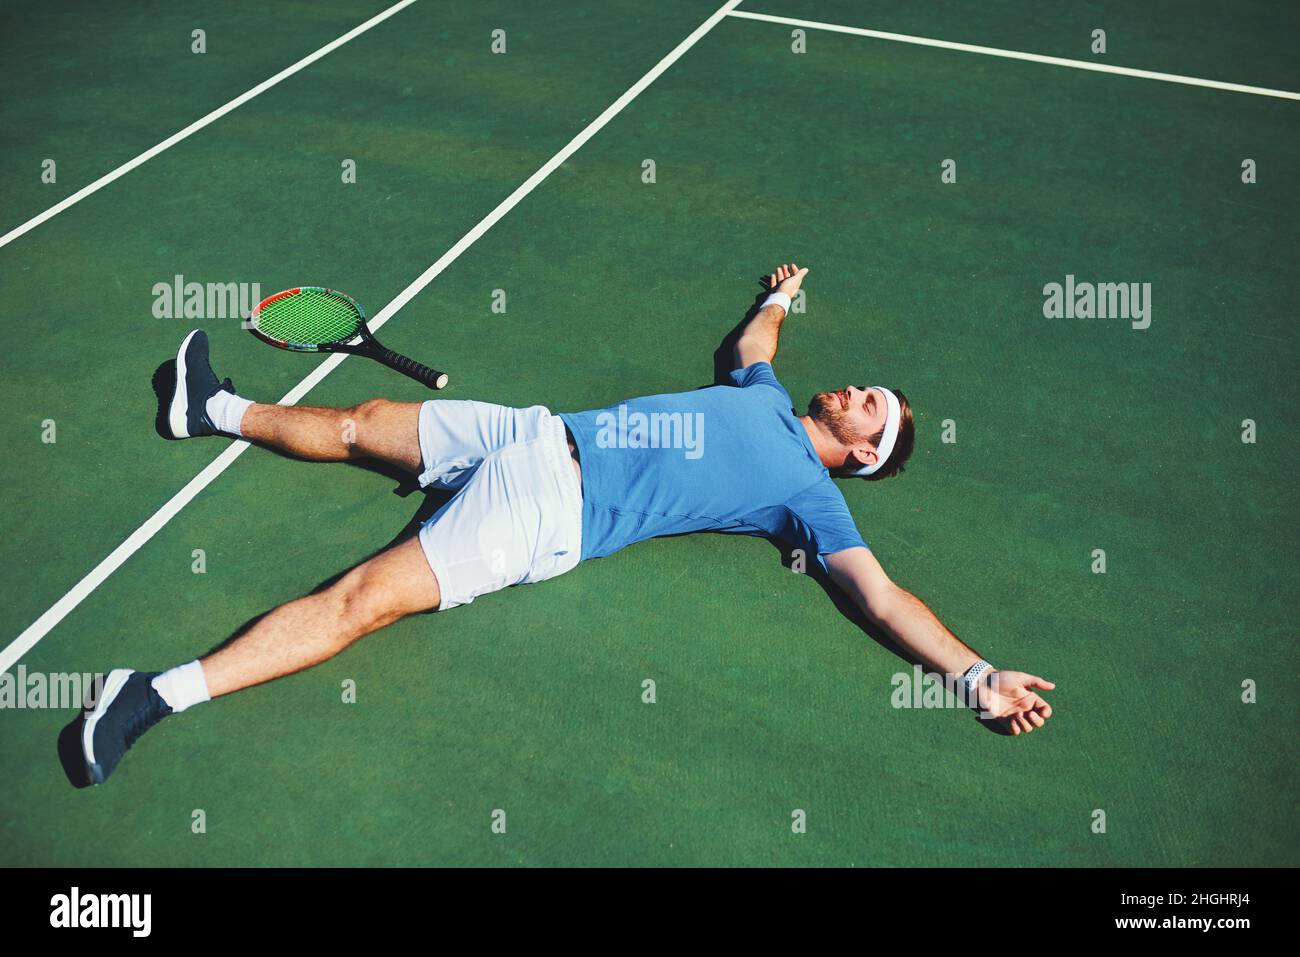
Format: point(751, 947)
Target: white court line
point(1016, 55)
point(60, 609)
point(197, 125)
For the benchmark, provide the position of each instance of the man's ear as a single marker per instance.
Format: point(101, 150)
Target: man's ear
point(862, 455)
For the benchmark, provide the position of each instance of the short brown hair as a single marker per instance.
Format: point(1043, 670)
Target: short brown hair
point(903, 445)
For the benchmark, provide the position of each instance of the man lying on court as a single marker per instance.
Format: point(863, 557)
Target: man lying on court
point(536, 493)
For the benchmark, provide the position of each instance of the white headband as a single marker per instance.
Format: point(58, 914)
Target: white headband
point(893, 417)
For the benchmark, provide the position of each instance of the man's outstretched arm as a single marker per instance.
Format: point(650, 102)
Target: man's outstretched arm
point(1008, 696)
point(758, 340)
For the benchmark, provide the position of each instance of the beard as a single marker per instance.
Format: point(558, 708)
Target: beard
point(825, 408)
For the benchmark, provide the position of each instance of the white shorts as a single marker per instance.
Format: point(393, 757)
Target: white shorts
point(517, 516)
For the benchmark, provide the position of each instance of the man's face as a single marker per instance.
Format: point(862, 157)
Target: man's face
point(852, 415)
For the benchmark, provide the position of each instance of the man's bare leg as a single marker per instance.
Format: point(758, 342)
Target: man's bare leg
point(302, 633)
point(311, 629)
point(393, 584)
point(295, 636)
point(377, 429)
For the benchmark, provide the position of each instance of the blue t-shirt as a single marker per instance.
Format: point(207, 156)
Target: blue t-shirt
point(722, 459)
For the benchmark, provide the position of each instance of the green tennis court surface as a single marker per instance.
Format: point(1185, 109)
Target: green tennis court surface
point(1072, 435)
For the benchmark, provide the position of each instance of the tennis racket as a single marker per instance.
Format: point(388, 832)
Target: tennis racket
point(316, 319)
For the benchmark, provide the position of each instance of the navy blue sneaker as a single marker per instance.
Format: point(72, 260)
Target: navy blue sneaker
point(187, 415)
point(127, 707)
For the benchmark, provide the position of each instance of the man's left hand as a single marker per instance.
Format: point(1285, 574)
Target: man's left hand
point(1009, 697)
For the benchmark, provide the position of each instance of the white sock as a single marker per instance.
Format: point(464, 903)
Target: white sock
point(183, 686)
point(226, 410)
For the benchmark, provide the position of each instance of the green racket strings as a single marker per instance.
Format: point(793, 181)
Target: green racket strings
point(312, 316)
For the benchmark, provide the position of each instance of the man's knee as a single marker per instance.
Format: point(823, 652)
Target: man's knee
point(371, 409)
point(362, 421)
point(390, 586)
point(384, 429)
point(362, 610)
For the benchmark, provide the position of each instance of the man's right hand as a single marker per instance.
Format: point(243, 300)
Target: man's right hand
point(787, 279)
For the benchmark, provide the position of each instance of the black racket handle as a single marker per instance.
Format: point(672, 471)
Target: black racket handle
point(420, 373)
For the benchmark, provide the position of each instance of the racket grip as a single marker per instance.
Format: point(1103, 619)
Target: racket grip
point(417, 371)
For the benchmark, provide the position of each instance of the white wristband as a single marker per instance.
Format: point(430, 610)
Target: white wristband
point(972, 675)
point(780, 298)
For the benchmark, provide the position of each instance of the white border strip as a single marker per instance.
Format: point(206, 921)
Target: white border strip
point(1016, 55)
point(60, 609)
point(199, 124)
